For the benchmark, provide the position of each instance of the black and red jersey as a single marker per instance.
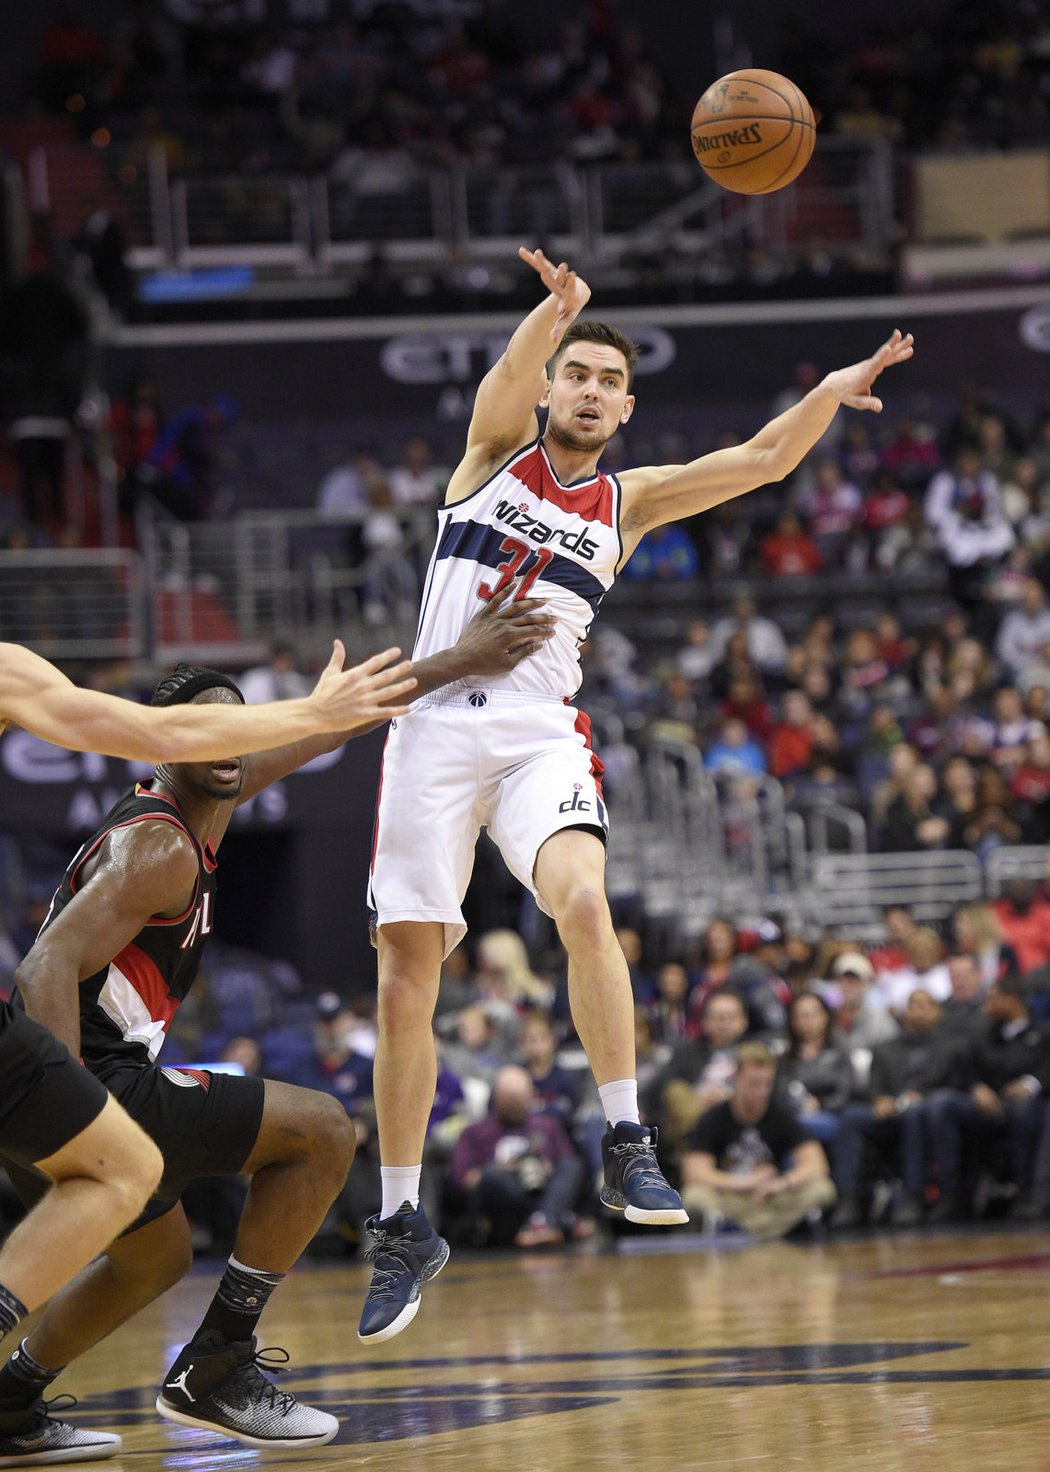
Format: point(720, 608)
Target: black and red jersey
point(125, 1008)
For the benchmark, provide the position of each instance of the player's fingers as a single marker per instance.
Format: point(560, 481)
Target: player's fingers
point(338, 656)
point(528, 622)
point(377, 661)
point(393, 692)
point(386, 679)
point(497, 600)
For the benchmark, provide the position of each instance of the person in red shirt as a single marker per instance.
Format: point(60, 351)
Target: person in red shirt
point(1025, 921)
point(744, 701)
point(791, 741)
point(788, 550)
point(885, 504)
point(1030, 783)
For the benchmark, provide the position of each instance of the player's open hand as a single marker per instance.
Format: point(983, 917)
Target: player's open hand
point(852, 386)
point(365, 693)
point(571, 291)
point(503, 634)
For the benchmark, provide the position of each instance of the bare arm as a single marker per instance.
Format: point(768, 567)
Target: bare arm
point(808, 1164)
point(145, 870)
point(500, 636)
point(38, 697)
point(504, 414)
point(699, 1168)
point(658, 494)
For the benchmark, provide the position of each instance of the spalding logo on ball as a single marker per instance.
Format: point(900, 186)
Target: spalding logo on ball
point(753, 132)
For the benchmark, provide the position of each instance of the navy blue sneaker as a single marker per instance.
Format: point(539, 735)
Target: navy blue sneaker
point(405, 1254)
point(634, 1183)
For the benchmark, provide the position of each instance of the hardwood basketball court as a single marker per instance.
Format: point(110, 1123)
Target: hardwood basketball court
point(908, 1352)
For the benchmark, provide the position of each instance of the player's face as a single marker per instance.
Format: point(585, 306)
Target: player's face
point(587, 399)
point(224, 779)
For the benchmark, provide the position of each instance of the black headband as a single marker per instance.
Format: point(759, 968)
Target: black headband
point(194, 684)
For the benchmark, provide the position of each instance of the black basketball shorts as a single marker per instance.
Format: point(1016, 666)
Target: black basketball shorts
point(46, 1096)
point(204, 1124)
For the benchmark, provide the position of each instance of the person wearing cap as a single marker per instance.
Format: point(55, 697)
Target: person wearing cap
point(859, 1017)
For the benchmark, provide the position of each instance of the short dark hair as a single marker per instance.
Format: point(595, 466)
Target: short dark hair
point(605, 336)
point(186, 681)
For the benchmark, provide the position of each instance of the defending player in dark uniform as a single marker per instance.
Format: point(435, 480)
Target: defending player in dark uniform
point(97, 1167)
point(116, 956)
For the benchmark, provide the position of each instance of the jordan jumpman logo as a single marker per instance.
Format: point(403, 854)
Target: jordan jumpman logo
point(179, 1383)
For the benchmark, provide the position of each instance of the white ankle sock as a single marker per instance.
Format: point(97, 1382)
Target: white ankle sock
point(400, 1183)
point(620, 1100)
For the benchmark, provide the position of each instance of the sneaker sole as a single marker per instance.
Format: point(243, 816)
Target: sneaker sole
point(199, 1424)
point(668, 1216)
point(408, 1313)
point(99, 1451)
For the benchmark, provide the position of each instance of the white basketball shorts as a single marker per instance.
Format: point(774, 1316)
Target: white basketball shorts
point(467, 759)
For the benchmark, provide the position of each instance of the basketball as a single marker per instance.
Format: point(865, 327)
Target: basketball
point(753, 132)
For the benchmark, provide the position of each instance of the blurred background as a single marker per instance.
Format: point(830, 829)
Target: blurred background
point(255, 256)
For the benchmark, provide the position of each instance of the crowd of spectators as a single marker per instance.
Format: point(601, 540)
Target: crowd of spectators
point(801, 1081)
point(370, 89)
point(935, 730)
point(371, 96)
point(977, 76)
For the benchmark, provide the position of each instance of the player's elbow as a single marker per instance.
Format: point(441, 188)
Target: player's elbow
point(774, 466)
point(31, 975)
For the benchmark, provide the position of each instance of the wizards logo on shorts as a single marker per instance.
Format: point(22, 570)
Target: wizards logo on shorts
point(575, 803)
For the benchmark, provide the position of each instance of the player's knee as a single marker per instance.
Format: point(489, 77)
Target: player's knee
point(333, 1136)
point(406, 998)
point(137, 1175)
point(583, 915)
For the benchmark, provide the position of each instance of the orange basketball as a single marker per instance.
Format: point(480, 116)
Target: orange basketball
point(753, 131)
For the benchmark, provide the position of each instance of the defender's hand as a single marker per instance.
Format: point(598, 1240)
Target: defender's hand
point(571, 291)
point(852, 386)
point(361, 695)
point(502, 635)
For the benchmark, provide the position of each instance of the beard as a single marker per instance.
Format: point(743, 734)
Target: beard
point(224, 793)
point(568, 437)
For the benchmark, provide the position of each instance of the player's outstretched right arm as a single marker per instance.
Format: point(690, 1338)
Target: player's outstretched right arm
point(38, 697)
point(504, 416)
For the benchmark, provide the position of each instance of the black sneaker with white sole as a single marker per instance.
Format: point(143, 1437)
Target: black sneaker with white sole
point(220, 1386)
point(406, 1252)
point(35, 1435)
point(634, 1182)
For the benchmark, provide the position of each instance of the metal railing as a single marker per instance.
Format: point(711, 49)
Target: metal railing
point(607, 212)
point(75, 605)
point(228, 588)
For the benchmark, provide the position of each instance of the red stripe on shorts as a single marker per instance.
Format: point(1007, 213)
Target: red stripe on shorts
point(583, 726)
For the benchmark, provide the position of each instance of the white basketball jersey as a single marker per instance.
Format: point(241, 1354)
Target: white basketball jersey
point(559, 543)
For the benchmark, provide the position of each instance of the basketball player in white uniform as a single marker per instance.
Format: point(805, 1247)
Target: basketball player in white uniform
point(532, 511)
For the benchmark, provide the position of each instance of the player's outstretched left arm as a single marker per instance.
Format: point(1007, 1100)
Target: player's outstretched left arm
point(658, 494)
point(38, 697)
